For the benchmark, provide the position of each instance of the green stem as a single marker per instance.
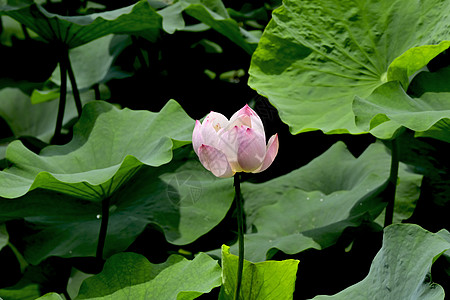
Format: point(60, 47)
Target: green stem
point(392, 184)
point(73, 83)
point(96, 88)
point(62, 98)
point(240, 217)
point(103, 229)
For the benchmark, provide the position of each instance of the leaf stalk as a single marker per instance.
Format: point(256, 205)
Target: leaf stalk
point(103, 229)
point(392, 183)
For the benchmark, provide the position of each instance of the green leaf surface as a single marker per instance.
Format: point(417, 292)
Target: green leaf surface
point(74, 283)
point(311, 206)
point(23, 290)
point(263, 280)
point(389, 103)
point(406, 196)
point(182, 198)
point(50, 296)
point(400, 269)
point(37, 120)
point(131, 276)
point(436, 82)
point(439, 131)
point(316, 56)
point(107, 148)
point(4, 237)
point(412, 61)
point(92, 62)
point(211, 13)
point(138, 19)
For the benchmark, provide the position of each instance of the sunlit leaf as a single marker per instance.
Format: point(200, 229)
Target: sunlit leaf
point(132, 276)
point(400, 269)
point(107, 148)
point(50, 296)
point(263, 280)
point(23, 290)
point(316, 56)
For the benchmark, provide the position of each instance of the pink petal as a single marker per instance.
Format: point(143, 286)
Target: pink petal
point(241, 117)
point(228, 144)
point(215, 161)
point(208, 133)
point(252, 149)
point(248, 117)
point(217, 120)
point(197, 139)
point(271, 153)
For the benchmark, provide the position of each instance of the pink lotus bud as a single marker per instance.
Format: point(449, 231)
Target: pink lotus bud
point(236, 145)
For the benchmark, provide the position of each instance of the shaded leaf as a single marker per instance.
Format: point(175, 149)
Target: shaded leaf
point(177, 278)
point(92, 62)
point(4, 237)
point(74, 283)
point(211, 13)
point(38, 120)
point(400, 269)
point(108, 146)
point(316, 56)
point(264, 280)
point(311, 206)
point(390, 104)
point(138, 19)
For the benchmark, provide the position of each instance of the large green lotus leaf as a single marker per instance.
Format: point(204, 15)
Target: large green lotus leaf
point(181, 197)
point(263, 280)
point(131, 276)
point(108, 145)
point(316, 56)
point(37, 120)
point(211, 13)
point(400, 269)
point(92, 62)
point(139, 19)
point(311, 206)
point(390, 104)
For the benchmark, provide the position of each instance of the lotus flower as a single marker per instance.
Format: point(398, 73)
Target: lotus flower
point(236, 145)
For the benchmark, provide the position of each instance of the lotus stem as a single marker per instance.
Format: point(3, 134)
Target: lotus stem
point(62, 98)
point(103, 229)
point(392, 183)
point(240, 218)
point(73, 83)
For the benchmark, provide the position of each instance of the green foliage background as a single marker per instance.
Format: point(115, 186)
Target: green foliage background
point(102, 196)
